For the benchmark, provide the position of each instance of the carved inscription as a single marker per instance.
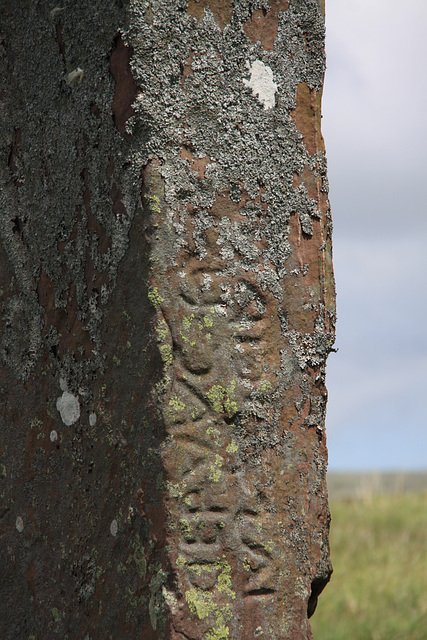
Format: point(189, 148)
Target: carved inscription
point(236, 403)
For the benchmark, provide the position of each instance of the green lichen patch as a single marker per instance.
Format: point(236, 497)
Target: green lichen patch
point(186, 528)
point(200, 602)
point(215, 469)
point(222, 399)
point(224, 577)
point(208, 321)
point(221, 632)
point(56, 614)
point(232, 447)
point(204, 603)
point(162, 330)
point(181, 561)
point(138, 557)
point(154, 296)
point(176, 409)
point(166, 354)
point(195, 329)
point(188, 320)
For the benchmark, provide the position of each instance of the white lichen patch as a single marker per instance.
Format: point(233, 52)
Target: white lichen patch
point(114, 527)
point(19, 524)
point(301, 589)
point(170, 600)
point(92, 419)
point(68, 406)
point(75, 76)
point(262, 84)
point(220, 309)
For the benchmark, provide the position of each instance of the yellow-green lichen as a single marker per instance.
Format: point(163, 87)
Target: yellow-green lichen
point(198, 567)
point(269, 546)
point(232, 447)
point(224, 577)
point(212, 431)
point(185, 527)
point(174, 490)
point(190, 322)
point(216, 468)
point(201, 602)
point(56, 615)
point(161, 330)
point(221, 632)
point(264, 386)
point(181, 561)
point(206, 603)
point(176, 404)
point(208, 320)
point(138, 557)
point(154, 204)
point(154, 296)
point(222, 399)
point(191, 343)
point(166, 354)
point(187, 321)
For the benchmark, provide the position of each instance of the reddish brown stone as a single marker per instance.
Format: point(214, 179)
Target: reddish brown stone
point(262, 25)
point(221, 10)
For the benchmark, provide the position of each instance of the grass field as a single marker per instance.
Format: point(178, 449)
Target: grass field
point(378, 590)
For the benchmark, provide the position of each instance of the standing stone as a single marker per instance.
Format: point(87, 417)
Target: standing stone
point(168, 307)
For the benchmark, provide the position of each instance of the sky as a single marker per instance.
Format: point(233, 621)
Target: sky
point(375, 130)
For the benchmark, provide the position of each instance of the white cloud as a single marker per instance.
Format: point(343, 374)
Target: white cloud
point(376, 85)
point(358, 389)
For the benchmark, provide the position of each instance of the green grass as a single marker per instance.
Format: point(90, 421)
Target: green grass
point(378, 590)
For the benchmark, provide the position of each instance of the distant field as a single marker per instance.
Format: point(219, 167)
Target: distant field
point(360, 485)
point(378, 590)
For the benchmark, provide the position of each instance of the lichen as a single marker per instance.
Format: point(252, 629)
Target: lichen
point(138, 557)
point(204, 603)
point(185, 527)
point(222, 399)
point(201, 602)
point(224, 577)
point(56, 615)
point(215, 468)
point(166, 354)
point(176, 403)
point(154, 297)
point(232, 447)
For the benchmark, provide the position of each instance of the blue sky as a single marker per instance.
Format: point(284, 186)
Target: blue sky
point(375, 129)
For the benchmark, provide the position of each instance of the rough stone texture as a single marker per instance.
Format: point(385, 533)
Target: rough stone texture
point(167, 309)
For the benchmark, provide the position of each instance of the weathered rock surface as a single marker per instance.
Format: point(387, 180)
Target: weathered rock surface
point(167, 310)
